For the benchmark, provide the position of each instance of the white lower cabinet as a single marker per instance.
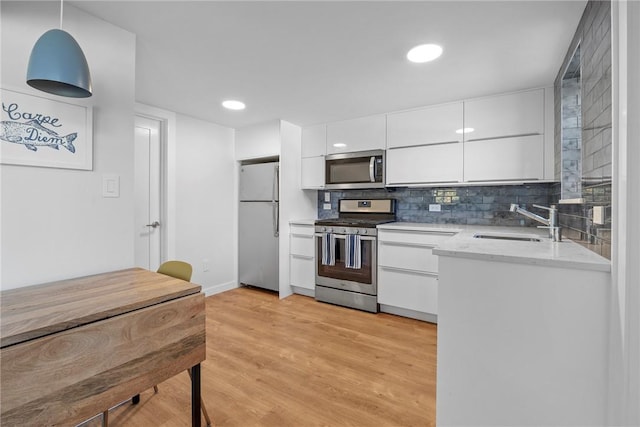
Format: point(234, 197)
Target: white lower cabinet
point(302, 268)
point(408, 272)
point(411, 290)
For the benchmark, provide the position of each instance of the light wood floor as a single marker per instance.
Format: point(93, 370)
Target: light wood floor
point(298, 362)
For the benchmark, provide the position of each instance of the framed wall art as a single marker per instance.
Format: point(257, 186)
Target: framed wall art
point(39, 131)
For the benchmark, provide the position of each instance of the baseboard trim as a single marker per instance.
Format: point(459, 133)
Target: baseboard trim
point(304, 291)
point(216, 289)
point(404, 312)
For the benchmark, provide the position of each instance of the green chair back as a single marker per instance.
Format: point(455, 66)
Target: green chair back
point(178, 269)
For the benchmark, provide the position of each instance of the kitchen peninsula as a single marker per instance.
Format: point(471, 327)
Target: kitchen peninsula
point(522, 325)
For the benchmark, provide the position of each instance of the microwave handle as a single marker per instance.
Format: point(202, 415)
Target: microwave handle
point(372, 169)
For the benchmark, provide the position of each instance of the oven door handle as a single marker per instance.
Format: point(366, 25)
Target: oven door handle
point(344, 236)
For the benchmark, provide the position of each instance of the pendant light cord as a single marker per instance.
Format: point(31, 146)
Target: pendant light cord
point(61, 7)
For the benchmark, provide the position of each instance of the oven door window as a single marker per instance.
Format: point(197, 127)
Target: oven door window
point(339, 271)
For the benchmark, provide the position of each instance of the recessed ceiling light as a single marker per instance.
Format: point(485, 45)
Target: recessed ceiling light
point(465, 130)
point(231, 104)
point(339, 145)
point(424, 53)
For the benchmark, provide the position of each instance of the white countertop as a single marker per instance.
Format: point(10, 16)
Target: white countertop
point(423, 226)
point(566, 253)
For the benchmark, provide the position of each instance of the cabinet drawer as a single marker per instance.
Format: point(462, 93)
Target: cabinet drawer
point(412, 257)
point(409, 290)
point(431, 238)
point(302, 272)
point(301, 245)
point(307, 230)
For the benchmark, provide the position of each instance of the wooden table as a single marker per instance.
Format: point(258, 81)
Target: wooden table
point(71, 349)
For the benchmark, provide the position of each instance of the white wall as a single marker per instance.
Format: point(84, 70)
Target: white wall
point(55, 222)
point(261, 140)
point(295, 203)
point(206, 202)
point(624, 356)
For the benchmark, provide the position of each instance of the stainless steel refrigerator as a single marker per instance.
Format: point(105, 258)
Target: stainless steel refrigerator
point(258, 225)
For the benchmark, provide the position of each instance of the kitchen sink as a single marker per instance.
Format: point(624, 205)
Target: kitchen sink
point(506, 236)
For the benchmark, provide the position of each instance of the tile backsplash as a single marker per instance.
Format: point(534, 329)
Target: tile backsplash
point(480, 205)
point(588, 224)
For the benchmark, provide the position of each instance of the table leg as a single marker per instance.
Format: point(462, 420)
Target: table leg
point(195, 396)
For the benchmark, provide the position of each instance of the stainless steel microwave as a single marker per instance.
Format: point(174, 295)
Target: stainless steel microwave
point(364, 169)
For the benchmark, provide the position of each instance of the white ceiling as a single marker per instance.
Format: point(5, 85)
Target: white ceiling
point(314, 62)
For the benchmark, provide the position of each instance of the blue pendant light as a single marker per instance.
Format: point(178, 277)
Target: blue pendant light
point(57, 65)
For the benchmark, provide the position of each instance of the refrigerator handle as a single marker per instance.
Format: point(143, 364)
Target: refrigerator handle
point(276, 219)
point(276, 209)
point(276, 178)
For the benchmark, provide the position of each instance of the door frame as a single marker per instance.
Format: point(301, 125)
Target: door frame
point(167, 121)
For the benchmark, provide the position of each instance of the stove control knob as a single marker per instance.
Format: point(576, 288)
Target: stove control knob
point(357, 231)
point(364, 231)
point(344, 231)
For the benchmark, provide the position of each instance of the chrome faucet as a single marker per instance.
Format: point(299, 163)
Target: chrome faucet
point(555, 232)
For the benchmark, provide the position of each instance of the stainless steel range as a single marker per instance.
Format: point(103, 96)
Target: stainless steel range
point(346, 253)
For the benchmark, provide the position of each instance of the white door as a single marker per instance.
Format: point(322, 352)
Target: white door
point(148, 224)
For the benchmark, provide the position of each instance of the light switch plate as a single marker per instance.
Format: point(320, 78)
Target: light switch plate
point(110, 185)
point(326, 206)
point(327, 197)
point(435, 208)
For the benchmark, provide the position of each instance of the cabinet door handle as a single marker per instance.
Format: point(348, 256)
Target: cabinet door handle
point(412, 245)
point(408, 270)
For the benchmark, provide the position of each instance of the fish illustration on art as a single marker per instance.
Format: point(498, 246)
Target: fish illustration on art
point(33, 135)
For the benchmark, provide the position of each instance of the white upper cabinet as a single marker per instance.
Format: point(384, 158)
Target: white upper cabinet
point(314, 141)
point(439, 163)
point(365, 133)
point(508, 138)
point(312, 175)
point(514, 114)
point(431, 125)
point(314, 148)
point(504, 159)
